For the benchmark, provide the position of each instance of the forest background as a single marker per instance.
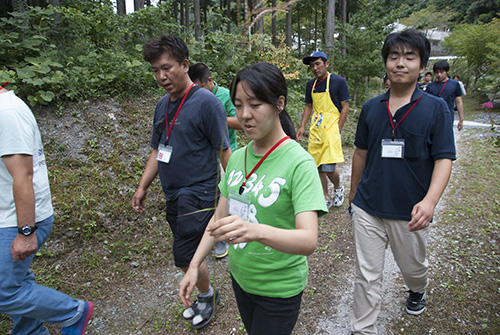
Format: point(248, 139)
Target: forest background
point(78, 64)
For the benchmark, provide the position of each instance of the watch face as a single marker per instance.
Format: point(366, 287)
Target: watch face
point(26, 230)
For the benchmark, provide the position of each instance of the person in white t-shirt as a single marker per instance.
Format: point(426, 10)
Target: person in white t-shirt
point(26, 218)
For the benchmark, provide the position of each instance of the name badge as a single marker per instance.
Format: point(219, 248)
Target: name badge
point(164, 153)
point(393, 148)
point(239, 204)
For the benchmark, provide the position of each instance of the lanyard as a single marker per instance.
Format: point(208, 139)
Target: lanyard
point(4, 84)
point(327, 84)
point(169, 130)
point(441, 90)
point(259, 163)
point(216, 88)
point(390, 116)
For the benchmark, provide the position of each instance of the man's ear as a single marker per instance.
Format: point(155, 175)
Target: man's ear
point(185, 64)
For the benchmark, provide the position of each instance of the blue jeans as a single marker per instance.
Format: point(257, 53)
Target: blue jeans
point(30, 305)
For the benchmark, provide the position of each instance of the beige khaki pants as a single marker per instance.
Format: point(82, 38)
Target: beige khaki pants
point(372, 235)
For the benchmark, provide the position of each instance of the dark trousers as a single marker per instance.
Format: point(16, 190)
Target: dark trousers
point(267, 316)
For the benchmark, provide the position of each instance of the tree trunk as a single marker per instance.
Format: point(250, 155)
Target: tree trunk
point(273, 25)
point(315, 28)
point(181, 12)
point(344, 22)
point(298, 34)
point(138, 5)
point(176, 10)
point(197, 21)
point(186, 12)
point(121, 8)
point(228, 14)
point(289, 26)
point(330, 28)
point(18, 6)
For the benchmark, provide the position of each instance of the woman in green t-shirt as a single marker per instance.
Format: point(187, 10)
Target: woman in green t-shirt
point(271, 198)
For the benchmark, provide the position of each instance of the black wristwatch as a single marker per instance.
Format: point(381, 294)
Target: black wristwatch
point(27, 230)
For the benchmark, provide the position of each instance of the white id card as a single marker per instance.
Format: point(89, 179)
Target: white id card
point(393, 148)
point(239, 204)
point(164, 153)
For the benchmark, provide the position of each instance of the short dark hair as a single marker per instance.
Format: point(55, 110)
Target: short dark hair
point(267, 84)
point(441, 65)
point(411, 38)
point(173, 45)
point(428, 73)
point(199, 72)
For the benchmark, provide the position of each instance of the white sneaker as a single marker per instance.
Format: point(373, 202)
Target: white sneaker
point(338, 197)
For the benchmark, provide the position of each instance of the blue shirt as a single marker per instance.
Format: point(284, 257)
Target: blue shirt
point(390, 187)
point(199, 130)
point(339, 92)
point(448, 91)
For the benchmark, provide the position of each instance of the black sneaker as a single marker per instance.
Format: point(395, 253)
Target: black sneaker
point(415, 304)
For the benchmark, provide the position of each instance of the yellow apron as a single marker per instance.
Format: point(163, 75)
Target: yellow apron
point(324, 135)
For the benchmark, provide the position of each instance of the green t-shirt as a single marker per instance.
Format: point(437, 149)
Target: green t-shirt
point(224, 96)
point(287, 183)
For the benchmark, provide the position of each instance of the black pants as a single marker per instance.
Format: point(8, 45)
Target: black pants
point(267, 316)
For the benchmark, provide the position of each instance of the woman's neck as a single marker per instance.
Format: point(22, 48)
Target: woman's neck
point(263, 145)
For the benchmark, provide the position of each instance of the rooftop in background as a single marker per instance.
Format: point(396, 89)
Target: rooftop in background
point(435, 37)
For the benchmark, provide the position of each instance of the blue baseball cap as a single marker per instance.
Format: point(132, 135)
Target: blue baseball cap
point(315, 54)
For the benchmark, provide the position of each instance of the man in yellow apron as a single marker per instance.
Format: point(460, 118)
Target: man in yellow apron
point(327, 100)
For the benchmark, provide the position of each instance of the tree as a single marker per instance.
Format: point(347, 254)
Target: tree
point(121, 7)
point(138, 5)
point(476, 43)
point(330, 26)
point(197, 21)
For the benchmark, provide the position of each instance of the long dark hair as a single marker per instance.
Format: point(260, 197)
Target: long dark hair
point(267, 83)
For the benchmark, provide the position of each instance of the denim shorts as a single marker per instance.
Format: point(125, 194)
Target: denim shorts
point(327, 167)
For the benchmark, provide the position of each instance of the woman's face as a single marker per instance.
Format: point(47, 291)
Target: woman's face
point(257, 118)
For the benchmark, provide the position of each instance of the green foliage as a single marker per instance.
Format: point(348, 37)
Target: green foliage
point(479, 45)
point(364, 35)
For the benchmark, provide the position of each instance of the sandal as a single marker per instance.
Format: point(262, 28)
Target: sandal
point(201, 317)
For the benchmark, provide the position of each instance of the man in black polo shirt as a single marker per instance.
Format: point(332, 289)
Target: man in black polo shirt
point(401, 165)
point(185, 145)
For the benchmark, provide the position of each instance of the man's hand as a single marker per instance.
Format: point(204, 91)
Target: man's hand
point(460, 125)
point(421, 215)
point(138, 200)
point(23, 246)
point(300, 132)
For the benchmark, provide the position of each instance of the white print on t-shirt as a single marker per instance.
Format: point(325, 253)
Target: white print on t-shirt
point(252, 185)
point(256, 185)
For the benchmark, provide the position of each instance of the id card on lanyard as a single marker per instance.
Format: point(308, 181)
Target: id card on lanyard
point(239, 204)
point(395, 148)
point(165, 150)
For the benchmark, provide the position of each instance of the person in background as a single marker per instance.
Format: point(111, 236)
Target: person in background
point(447, 89)
point(387, 83)
point(200, 75)
point(189, 134)
point(462, 87)
point(397, 179)
point(427, 80)
point(328, 96)
point(26, 219)
point(268, 211)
